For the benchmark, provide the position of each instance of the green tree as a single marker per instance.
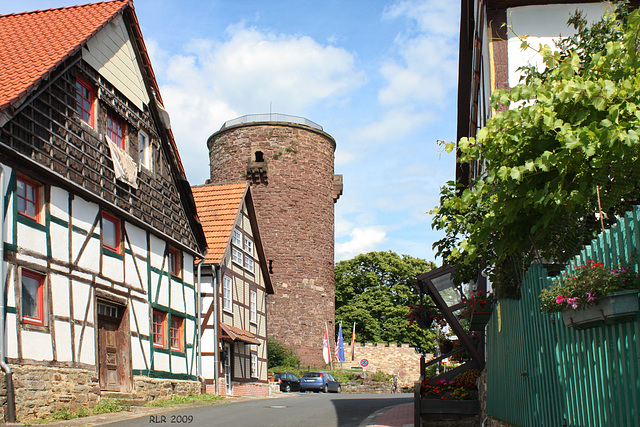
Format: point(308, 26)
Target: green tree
point(280, 355)
point(565, 142)
point(375, 290)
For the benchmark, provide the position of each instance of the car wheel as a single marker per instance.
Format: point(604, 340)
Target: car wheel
point(325, 389)
point(339, 389)
point(287, 388)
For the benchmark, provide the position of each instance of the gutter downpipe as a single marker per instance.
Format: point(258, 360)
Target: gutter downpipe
point(216, 344)
point(199, 323)
point(11, 397)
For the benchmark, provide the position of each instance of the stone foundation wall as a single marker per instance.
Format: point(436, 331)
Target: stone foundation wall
point(41, 390)
point(404, 361)
point(151, 389)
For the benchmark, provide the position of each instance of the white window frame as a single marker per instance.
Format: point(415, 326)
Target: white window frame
point(254, 365)
point(144, 146)
point(236, 239)
point(237, 256)
point(249, 264)
point(253, 306)
point(227, 294)
point(248, 245)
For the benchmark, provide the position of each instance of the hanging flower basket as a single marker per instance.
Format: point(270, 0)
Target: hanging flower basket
point(424, 321)
point(480, 313)
point(617, 307)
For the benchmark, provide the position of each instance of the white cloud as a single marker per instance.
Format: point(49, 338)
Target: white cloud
point(363, 239)
point(214, 81)
point(429, 16)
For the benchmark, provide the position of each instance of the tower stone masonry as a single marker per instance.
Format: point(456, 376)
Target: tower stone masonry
point(289, 162)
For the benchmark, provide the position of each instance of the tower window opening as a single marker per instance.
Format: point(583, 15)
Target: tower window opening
point(259, 156)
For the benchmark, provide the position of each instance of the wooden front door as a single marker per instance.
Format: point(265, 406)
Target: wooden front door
point(114, 350)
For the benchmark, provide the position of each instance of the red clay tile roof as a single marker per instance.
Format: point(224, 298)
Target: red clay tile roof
point(218, 209)
point(35, 43)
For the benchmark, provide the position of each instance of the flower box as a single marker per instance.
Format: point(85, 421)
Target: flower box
point(457, 407)
point(617, 307)
point(480, 314)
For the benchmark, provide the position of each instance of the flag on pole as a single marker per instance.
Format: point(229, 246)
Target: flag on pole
point(340, 346)
point(353, 340)
point(326, 352)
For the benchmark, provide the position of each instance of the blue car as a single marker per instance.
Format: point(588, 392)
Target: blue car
point(319, 381)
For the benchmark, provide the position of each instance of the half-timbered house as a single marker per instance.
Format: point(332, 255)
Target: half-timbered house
point(235, 283)
point(99, 227)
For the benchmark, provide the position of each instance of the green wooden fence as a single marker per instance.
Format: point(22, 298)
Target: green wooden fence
point(542, 373)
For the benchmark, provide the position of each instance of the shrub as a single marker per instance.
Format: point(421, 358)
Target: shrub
point(279, 354)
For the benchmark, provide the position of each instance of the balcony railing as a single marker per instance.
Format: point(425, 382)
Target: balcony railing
point(271, 117)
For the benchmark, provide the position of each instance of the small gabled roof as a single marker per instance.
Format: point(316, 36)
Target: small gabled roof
point(219, 208)
point(36, 43)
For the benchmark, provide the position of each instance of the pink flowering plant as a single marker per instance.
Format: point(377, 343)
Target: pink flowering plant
point(585, 285)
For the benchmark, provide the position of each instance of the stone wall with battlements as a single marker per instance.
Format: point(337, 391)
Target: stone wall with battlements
point(401, 360)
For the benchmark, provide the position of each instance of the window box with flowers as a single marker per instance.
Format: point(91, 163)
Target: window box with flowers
point(457, 397)
point(592, 294)
point(478, 310)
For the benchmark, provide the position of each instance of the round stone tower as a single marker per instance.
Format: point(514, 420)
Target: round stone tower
point(289, 163)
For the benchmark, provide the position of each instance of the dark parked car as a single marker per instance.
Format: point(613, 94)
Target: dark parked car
point(319, 381)
point(288, 382)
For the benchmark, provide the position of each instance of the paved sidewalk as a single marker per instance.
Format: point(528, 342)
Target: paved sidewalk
point(397, 416)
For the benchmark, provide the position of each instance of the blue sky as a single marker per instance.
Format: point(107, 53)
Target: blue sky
point(379, 76)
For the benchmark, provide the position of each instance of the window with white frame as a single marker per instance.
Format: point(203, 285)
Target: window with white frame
point(144, 145)
point(248, 245)
point(227, 296)
point(237, 237)
point(254, 365)
point(237, 256)
point(249, 264)
point(253, 307)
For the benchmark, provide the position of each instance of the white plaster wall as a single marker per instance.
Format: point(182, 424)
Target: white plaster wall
point(90, 259)
point(36, 345)
point(542, 24)
point(139, 350)
point(177, 296)
point(59, 205)
point(113, 268)
point(138, 240)
point(161, 361)
point(188, 274)
point(208, 366)
point(82, 298)
point(60, 242)
point(111, 53)
point(157, 247)
point(189, 330)
point(84, 214)
point(63, 341)
point(12, 334)
point(32, 239)
point(161, 282)
point(60, 295)
point(179, 365)
point(139, 313)
point(87, 350)
point(32, 260)
point(190, 299)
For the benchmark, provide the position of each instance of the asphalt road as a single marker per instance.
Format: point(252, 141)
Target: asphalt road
point(295, 409)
